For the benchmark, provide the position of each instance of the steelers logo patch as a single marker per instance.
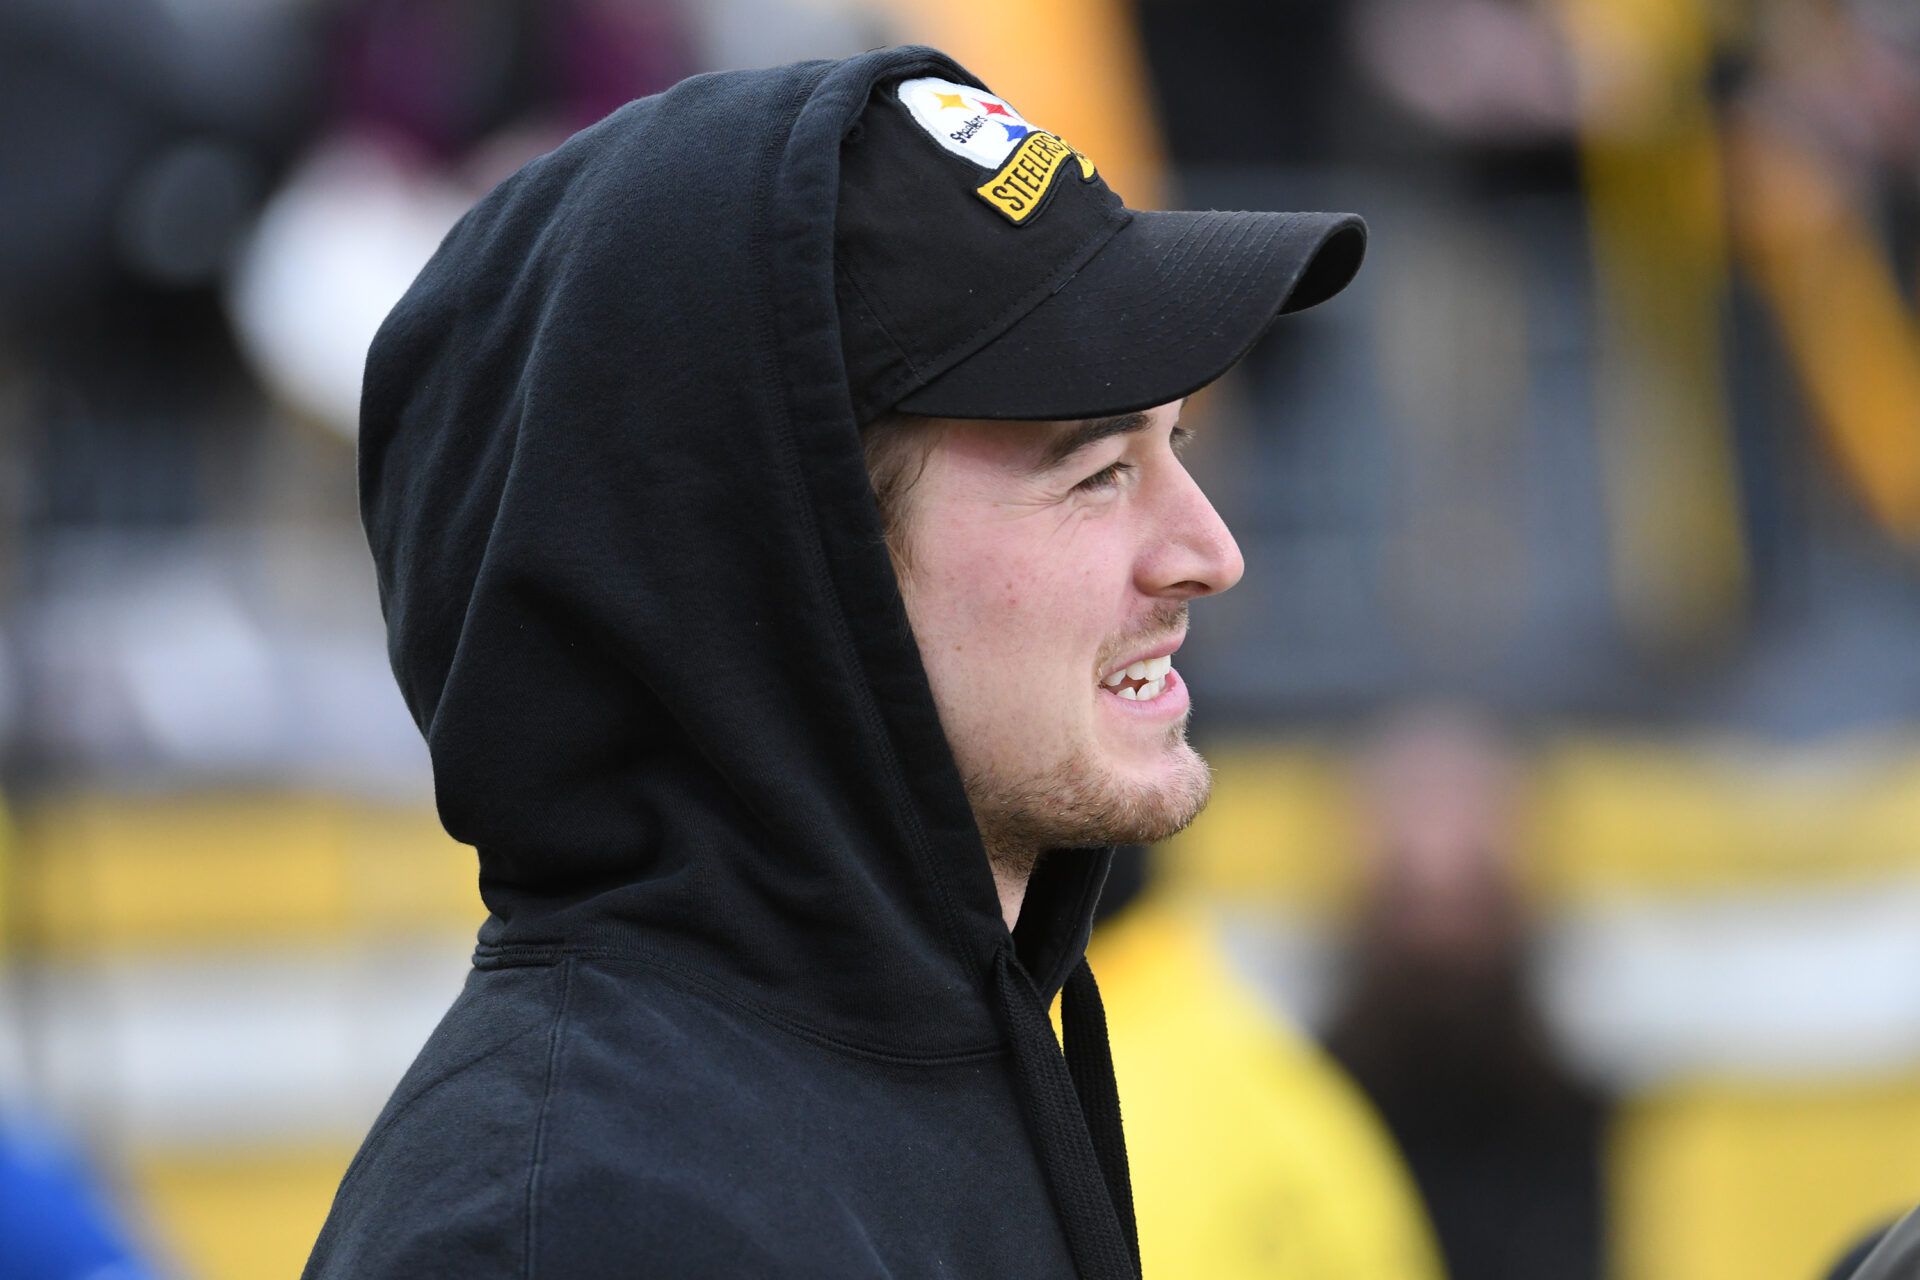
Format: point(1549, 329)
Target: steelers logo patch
point(985, 129)
point(979, 126)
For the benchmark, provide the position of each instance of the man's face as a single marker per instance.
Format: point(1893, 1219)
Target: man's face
point(1044, 561)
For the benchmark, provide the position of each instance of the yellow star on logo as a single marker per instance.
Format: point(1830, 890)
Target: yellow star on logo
point(950, 100)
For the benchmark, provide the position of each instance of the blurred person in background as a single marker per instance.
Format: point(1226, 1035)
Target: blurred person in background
point(54, 1222)
point(421, 106)
point(1439, 1022)
point(1252, 1154)
point(139, 140)
point(1823, 164)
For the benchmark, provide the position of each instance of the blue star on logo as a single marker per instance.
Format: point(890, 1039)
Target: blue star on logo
point(1015, 132)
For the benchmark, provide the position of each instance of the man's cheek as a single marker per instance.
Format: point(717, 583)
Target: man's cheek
point(995, 585)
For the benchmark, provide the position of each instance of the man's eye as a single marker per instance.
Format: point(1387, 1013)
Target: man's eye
point(1106, 478)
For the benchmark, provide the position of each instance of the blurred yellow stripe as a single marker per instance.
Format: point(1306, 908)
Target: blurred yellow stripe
point(1645, 819)
point(1729, 1181)
point(235, 1214)
point(1608, 819)
point(112, 872)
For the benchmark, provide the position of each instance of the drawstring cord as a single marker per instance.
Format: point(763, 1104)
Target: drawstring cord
point(1083, 1019)
point(1073, 1108)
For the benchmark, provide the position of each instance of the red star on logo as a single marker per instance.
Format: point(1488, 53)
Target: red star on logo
point(994, 108)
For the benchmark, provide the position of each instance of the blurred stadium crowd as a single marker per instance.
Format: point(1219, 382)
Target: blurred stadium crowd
point(1569, 783)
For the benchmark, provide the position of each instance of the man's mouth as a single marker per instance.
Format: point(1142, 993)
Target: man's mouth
point(1141, 681)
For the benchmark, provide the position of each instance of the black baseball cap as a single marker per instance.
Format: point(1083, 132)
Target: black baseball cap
point(984, 269)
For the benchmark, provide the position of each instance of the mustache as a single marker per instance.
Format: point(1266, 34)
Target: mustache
point(1164, 619)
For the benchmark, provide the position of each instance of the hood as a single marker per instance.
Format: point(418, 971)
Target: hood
point(636, 592)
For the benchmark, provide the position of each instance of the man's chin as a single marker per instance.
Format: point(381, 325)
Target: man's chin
point(1097, 800)
point(1159, 799)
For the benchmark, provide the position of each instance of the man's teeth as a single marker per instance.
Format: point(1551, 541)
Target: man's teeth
point(1151, 671)
point(1145, 693)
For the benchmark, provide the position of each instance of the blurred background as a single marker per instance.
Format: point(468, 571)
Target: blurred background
point(1566, 724)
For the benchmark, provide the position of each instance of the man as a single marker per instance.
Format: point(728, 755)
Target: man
point(764, 989)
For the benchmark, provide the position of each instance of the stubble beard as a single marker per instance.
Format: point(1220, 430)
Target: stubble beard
point(1078, 803)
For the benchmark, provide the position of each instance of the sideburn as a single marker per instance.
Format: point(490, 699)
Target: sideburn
point(897, 447)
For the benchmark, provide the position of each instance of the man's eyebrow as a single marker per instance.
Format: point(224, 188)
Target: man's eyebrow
point(1090, 432)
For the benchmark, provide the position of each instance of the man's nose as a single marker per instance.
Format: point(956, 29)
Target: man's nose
point(1195, 553)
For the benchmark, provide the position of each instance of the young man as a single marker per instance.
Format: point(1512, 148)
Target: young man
point(764, 987)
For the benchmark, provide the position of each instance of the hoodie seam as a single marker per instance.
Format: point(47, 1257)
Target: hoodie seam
point(881, 319)
point(555, 1039)
point(700, 984)
point(774, 347)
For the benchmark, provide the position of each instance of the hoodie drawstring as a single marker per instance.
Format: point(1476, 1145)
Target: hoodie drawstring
point(1073, 1108)
point(1083, 1019)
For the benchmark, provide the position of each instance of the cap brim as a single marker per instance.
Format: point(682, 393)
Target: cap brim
point(1165, 307)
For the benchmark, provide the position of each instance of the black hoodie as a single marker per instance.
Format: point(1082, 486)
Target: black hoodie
point(745, 1004)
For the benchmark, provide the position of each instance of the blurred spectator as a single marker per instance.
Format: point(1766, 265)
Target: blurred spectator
point(54, 1224)
point(1491, 80)
point(1252, 1155)
point(1824, 176)
point(139, 138)
point(425, 104)
point(1438, 1022)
